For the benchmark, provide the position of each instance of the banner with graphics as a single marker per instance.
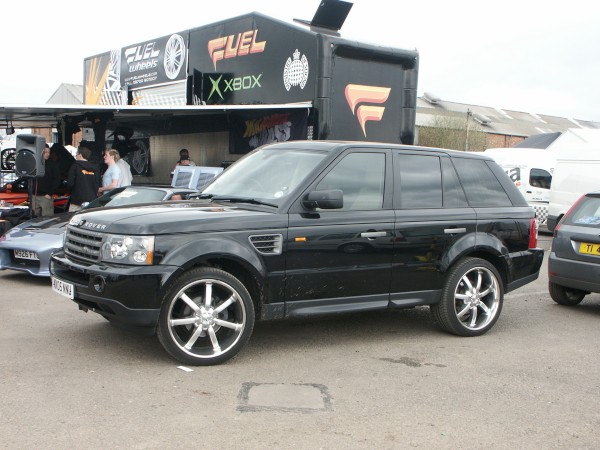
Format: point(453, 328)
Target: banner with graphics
point(251, 129)
point(252, 60)
point(102, 85)
point(109, 76)
point(161, 60)
point(371, 100)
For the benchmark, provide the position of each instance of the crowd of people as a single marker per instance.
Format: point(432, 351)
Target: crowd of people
point(84, 179)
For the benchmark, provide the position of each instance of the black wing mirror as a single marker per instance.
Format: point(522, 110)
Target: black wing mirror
point(330, 199)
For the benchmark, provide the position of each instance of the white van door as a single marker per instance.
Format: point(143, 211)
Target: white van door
point(534, 183)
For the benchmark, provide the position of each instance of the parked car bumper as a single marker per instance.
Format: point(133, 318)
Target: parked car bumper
point(38, 267)
point(129, 296)
point(574, 274)
point(551, 223)
point(524, 267)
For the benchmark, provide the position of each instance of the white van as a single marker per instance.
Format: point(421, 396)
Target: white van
point(575, 174)
point(531, 169)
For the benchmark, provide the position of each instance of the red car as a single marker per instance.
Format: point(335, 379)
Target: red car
point(15, 193)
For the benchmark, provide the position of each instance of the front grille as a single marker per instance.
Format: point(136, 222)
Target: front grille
point(83, 245)
point(24, 262)
point(267, 244)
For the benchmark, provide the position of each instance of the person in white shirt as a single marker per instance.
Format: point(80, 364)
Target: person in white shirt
point(110, 179)
point(126, 177)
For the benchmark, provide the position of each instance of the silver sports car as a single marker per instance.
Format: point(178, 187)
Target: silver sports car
point(27, 247)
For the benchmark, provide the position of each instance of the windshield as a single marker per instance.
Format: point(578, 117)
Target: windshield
point(268, 174)
point(127, 196)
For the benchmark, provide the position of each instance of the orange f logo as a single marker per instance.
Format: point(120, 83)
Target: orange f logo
point(356, 93)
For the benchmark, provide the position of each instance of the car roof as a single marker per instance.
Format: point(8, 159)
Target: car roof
point(338, 146)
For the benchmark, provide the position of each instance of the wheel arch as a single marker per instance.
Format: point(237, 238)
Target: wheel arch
point(229, 255)
point(483, 246)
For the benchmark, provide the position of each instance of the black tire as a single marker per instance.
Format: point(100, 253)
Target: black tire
point(564, 295)
point(472, 298)
point(206, 317)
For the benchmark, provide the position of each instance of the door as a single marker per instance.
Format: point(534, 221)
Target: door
point(432, 216)
point(340, 260)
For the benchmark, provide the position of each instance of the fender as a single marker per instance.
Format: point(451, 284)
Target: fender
point(186, 253)
point(475, 242)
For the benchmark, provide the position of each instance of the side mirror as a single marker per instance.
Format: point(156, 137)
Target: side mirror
point(330, 199)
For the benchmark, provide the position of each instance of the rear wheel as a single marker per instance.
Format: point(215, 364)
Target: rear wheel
point(471, 300)
point(206, 318)
point(564, 295)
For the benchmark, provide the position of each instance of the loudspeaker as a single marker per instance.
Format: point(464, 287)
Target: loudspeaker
point(29, 161)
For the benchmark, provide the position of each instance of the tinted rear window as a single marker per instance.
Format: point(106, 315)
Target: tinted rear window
point(420, 181)
point(587, 212)
point(481, 185)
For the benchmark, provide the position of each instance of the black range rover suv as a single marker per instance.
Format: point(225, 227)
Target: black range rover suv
point(302, 228)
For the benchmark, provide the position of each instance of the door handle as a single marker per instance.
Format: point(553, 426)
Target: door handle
point(454, 230)
point(373, 234)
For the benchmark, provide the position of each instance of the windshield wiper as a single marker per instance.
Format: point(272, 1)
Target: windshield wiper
point(253, 201)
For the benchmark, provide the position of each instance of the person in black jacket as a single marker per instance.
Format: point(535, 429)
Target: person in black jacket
point(46, 186)
point(84, 179)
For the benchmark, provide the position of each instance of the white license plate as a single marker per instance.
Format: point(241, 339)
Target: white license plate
point(63, 288)
point(26, 254)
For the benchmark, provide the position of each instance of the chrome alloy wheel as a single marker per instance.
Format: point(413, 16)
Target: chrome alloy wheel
point(206, 318)
point(477, 298)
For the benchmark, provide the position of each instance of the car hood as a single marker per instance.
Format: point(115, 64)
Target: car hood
point(46, 225)
point(179, 218)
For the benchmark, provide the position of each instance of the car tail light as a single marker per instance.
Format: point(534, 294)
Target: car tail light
point(533, 233)
point(568, 213)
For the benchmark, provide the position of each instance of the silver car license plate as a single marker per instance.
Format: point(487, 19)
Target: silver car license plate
point(26, 254)
point(63, 288)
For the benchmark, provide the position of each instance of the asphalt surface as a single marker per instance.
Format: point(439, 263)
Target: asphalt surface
point(378, 380)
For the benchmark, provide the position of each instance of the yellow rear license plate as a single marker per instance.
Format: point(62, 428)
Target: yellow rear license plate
point(589, 249)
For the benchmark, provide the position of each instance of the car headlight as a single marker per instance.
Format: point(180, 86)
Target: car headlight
point(138, 250)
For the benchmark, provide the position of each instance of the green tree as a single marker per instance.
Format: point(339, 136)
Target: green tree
point(456, 132)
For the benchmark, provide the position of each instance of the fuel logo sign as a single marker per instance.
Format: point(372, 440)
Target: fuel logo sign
point(363, 100)
point(234, 45)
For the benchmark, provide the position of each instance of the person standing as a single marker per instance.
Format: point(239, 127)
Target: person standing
point(126, 177)
point(46, 186)
point(83, 179)
point(110, 179)
point(184, 159)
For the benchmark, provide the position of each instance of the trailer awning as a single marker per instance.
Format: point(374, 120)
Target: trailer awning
point(47, 116)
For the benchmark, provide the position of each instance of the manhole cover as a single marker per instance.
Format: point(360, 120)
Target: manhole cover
point(284, 397)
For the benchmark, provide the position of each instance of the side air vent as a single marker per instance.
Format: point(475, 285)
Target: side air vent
point(267, 244)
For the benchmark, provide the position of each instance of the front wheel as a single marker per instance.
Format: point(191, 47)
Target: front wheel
point(471, 300)
point(206, 318)
point(564, 295)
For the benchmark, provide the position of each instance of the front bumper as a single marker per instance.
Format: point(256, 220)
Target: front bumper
point(126, 295)
point(574, 274)
point(38, 268)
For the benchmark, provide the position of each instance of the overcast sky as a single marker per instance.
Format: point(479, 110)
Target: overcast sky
point(534, 56)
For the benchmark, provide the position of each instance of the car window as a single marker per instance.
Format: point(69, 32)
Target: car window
point(540, 178)
point(127, 196)
point(419, 181)
point(454, 195)
point(269, 174)
point(361, 178)
point(587, 212)
point(480, 184)
point(131, 195)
